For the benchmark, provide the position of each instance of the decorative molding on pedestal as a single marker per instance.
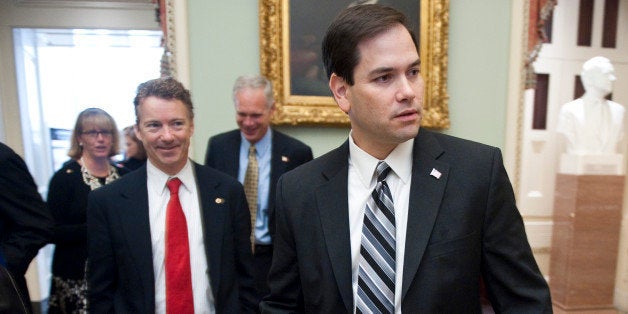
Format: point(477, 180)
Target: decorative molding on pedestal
point(594, 164)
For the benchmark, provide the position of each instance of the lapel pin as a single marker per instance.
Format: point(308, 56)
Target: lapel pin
point(285, 158)
point(219, 200)
point(435, 173)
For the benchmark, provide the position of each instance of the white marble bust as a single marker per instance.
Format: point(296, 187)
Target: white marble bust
point(592, 125)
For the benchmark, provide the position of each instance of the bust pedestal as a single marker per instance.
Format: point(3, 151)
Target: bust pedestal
point(587, 219)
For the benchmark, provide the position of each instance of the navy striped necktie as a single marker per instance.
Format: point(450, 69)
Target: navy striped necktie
point(376, 274)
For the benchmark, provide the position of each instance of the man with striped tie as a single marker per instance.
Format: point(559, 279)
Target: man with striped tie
point(396, 219)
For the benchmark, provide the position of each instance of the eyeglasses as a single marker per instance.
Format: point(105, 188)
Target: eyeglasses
point(94, 133)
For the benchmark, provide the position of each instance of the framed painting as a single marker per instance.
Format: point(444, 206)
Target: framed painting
point(290, 39)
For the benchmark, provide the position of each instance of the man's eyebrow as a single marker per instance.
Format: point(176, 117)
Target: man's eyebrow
point(380, 71)
point(249, 114)
point(388, 69)
point(416, 63)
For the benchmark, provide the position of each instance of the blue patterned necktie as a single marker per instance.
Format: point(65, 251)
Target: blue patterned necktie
point(376, 274)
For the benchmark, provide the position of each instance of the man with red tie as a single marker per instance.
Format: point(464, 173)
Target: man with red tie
point(172, 237)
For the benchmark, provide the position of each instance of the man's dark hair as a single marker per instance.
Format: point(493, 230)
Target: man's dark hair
point(164, 88)
point(350, 28)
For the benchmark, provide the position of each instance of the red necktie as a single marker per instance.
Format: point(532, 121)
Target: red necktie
point(179, 298)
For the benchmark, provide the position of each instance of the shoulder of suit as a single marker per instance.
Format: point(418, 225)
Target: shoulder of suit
point(5, 151)
point(452, 143)
point(122, 170)
point(7, 154)
point(70, 167)
point(124, 183)
point(225, 138)
point(227, 134)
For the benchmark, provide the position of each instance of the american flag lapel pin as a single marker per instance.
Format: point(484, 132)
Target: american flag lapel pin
point(435, 173)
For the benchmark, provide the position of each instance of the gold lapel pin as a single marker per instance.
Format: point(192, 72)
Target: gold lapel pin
point(285, 158)
point(219, 200)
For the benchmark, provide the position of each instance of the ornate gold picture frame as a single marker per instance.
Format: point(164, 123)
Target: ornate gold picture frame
point(322, 110)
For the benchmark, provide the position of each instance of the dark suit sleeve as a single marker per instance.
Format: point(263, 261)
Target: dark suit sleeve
point(283, 278)
point(63, 200)
point(299, 154)
point(25, 223)
point(513, 280)
point(101, 280)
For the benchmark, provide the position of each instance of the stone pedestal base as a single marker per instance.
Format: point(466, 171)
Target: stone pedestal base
point(587, 218)
point(621, 282)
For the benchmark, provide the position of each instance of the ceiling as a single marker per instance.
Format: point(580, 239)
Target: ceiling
point(123, 4)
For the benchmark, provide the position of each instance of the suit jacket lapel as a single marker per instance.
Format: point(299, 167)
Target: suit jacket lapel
point(426, 193)
point(333, 206)
point(232, 154)
point(136, 227)
point(213, 223)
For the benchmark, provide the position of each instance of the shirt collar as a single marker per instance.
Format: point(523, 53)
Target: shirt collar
point(158, 179)
point(399, 160)
point(262, 146)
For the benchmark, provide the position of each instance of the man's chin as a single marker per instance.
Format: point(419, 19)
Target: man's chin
point(169, 158)
point(408, 133)
point(251, 138)
point(169, 165)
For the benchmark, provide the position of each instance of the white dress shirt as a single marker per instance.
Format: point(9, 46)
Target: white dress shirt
point(362, 181)
point(158, 196)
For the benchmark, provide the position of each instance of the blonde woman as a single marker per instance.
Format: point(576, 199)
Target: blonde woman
point(135, 154)
point(94, 140)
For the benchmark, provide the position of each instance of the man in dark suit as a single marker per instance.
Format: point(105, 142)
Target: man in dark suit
point(276, 153)
point(396, 219)
point(25, 226)
point(139, 261)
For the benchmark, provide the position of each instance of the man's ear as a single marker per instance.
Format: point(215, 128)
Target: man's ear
point(136, 129)
point(339, 88)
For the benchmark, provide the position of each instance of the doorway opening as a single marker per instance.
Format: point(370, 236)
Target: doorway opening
point(61, 72)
